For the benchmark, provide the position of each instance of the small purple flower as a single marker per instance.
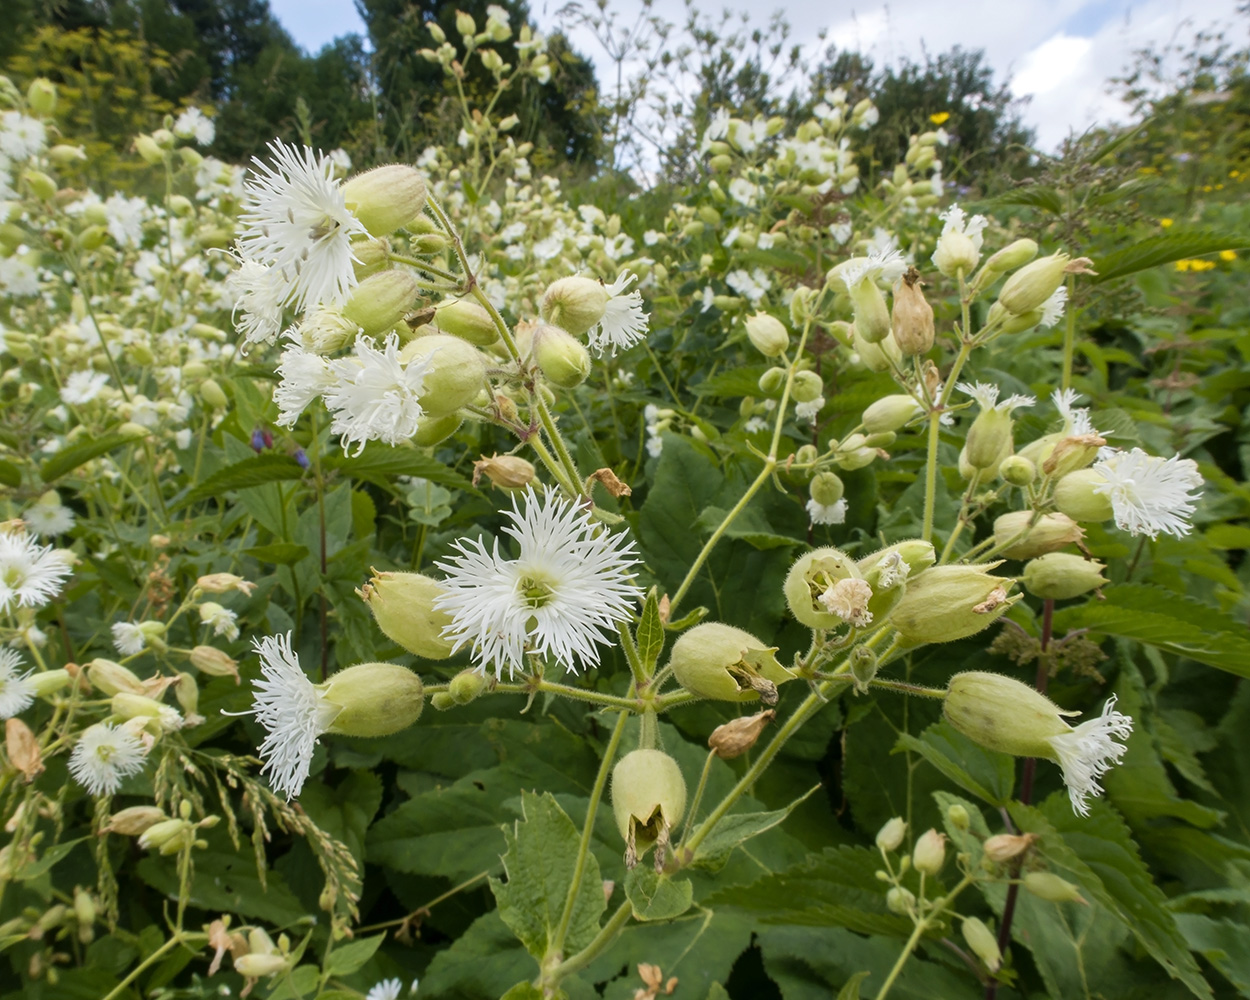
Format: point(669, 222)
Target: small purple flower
point(302, 458)
point(262, 438)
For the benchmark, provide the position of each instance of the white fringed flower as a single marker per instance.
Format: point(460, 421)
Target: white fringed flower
point(834, 513)
point(375, 396)
point(986, 396)
point(1150, 494)
point(810, 410)
point(1053, 307)
point(293, 712)
point(221, 620)
point(30, 574)
point(104, 755)
point(305, 376)
point(564, 592)
point(1089, 751)
point(48, 517)
point(624, 323)
point(82, 387)
point(389, 989)
point(848, 599)
point(258, 292)
point(194, 124)
point(128, 638)
point(295, 219)
point(17, 691)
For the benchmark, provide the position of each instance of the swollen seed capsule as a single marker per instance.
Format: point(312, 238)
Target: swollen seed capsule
point(1052, 888)
point(983, 944)
point(719, 661)
point(890, 836)
point(648, 798)
point(403, 606)
point(385, 198)
point(930, 853)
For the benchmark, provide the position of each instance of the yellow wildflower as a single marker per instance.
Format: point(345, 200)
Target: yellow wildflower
point(940, 117)
point(1166, 223)
point(1228, 255)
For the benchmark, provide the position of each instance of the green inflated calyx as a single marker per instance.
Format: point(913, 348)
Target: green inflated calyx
point(719, 661)
point(648, 800)
point(374, 699)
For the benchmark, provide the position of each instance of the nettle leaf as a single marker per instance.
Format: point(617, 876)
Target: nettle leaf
point(346, 959)
point(1166, 620)
point(254, 471)
point(657, 897)
point(851, 990)
point(837, 888)
point(988, 775)
point(484, 961)
point(1164, 249)
point(68, 459)
point(1223, 944)
point(737, 829)
point(1098, 854)
point(744, 381)
point(382, 463)
point(1034, 196)
point(539, 864)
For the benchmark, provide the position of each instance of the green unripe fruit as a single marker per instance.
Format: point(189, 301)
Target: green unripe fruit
point(374, 699)
point(41, 96)
point(890, 413)
point(380, 301)
point(1075, 495)
point(945, 603)
point(719, 661)
point(983, 943)
point(872, 317)
point(213, 395)
point(648, 797)
point(457, 374)
point(41, 185)
point(864, 666)
point(149, 150)
point(466, 686)
point(768, 334)
point(93, 237)
point(806, 454)
point(1017, 470)
point(826, 488)
point(989, 440)
point(403, 607)
point(1033, 284)
point(1060, 576)
point(1052, 888)
point(1012, 256)
point(441, 701)
point(385, 198)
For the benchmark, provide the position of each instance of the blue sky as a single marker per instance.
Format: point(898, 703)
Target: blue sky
point(1059, 53)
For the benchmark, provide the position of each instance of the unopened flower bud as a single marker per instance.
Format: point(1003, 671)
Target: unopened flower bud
point(41, 96)
point(441, 701)
point(872, 317)
point(135, 820)
point(136, 706)
point(380, 301)
point(929, 854)
point(256, 966)
point(214, 662)
point(945, 603)
point(648, 797)
point(1075, 496)
point(772, 381)
point(436, 31)
point(890, 413)
point(1012, 256)
point(466, 686)
point(403, 607)
point(385, 198)
point(1017, 470)
point(369, 256)
point(899, 900)
point(890, 836)
point(41, 185)
point(212, 394)
point(1033, 284)
point(826, 488)
point(160, 834)
point(467, 320)
point(508, 472)
point(457, 376)
point(957, 816)
point(768, 334)
point(1030, 538)
point(84, 914)
point(1004, 847)
point(111, 678)
point(149, 150)
point(808, 387)
point(864, 666)
point(1060, 576)
point(989, 440)
point(48, 682)
point(374, 699)
point(1052, 888)
point(713, 660)
point(983, 943)
point(465, 24)
point(1077, 451)
point(562, 358)
point(1004, 714)
point(574, 304)
point(733, 739)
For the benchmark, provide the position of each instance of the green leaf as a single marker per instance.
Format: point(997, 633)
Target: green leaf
point(254, 471)
point(1164, 249)
point(1098, 854)
point(988, 775)
point(1223, 944)
point(539, 864)
point(750, 525)
point(743, 381)
point(657, 897)
point(1034, 196)
point(484, 961)
point(302, 981)
point(1228, 536)
point(650, 633)
point(10, 474)
point(44, 863)
point(738, 828)
point(68, 459)
point(851, 990)
point(837, 888)
point(1166, 620)
point(278, 553)
point(381, 464)
point(351, 956)
point(524, 990)
point(227, 882)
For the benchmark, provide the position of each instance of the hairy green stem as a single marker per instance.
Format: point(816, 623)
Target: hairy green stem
point(583, 958)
